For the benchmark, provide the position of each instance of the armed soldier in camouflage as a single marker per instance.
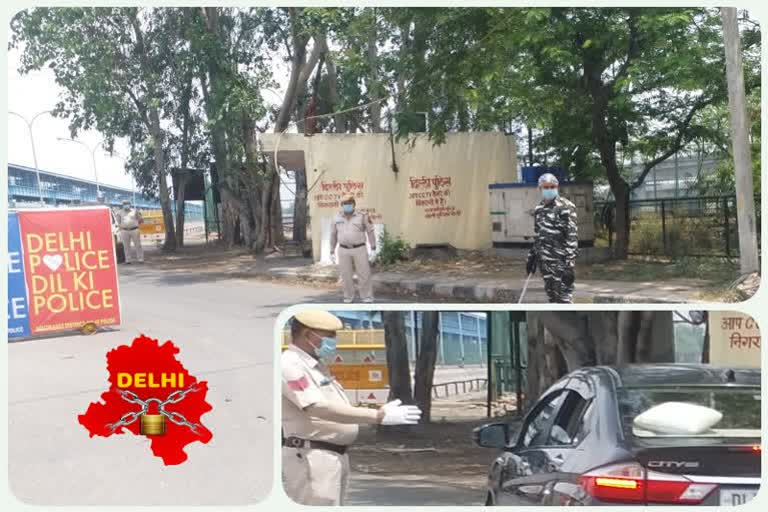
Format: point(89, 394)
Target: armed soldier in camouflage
point(556, 244)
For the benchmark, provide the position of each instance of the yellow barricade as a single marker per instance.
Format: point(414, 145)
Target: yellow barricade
point(153, 225)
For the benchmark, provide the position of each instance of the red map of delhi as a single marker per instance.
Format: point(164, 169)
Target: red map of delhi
point(147, 356)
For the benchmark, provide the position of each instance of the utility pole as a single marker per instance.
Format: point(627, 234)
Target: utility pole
point(745, 198)
point(34, 150)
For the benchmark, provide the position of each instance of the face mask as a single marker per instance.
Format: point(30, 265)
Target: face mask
point(348, 208)
point(327, 348)
point(549, 193)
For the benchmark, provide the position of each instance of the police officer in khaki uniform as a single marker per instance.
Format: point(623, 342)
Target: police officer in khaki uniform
point(349, 231)
point(128, 220)
point(319, 423)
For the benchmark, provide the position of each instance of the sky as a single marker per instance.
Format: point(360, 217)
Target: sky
point(37, 92)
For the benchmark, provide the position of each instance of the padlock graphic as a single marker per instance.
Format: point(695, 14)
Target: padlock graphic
point(152, 425)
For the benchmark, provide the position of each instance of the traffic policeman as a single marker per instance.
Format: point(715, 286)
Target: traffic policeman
point(319, 422)
point(128, 220)
point(556, 241)
point(349, 230)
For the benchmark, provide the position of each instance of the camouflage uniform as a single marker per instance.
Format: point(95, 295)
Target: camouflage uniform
point(556, 245)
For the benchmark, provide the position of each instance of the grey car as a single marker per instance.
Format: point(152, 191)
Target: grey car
point(580, 444)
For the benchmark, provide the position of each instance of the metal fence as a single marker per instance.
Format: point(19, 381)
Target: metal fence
point(506, 377)
point(695, 226)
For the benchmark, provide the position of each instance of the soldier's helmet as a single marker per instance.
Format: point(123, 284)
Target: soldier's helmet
point(548, 179)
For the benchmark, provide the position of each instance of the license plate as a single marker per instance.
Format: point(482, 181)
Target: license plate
point(734, 497)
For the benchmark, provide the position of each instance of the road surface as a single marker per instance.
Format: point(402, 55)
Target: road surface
point(408, 490)
point(224, 329)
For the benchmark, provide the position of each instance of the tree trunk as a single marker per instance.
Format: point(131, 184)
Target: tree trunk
point(165, 197)
point(742, 158)
point(373, 80)
point(543, 358)
point(255, 177)
point(606, 140)
point(229, 216)
point(397, 356)
point(213, 88)
point(276, 213)
point(425, 364)
point(301, 70)
point(339, 123)
point(560, 342)
point(622, 218)
point(183, 178)
point(300, 213)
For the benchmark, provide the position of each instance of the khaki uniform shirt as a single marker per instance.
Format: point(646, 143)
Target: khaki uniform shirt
point(351, 231)
point(128, 219)
point(306, 382)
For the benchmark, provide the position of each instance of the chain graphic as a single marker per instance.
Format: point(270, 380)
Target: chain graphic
point(173, 416)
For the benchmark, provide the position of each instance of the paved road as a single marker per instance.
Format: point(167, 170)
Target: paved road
point(224, 329)
point(408, 490)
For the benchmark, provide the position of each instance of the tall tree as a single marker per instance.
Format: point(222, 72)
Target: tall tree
point(606, 86)
point(740, 129)
point(114, 76)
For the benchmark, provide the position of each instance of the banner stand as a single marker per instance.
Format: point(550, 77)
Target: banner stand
point(62, 272)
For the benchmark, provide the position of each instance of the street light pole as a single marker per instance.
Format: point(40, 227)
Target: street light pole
point(34, 150)
point(93, 160)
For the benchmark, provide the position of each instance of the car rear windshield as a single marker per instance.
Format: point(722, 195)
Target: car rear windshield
point(740, 408)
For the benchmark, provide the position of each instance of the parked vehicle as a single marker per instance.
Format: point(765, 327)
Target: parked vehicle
point(605, 436)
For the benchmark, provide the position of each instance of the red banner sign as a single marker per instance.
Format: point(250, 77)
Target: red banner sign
point(71, 273)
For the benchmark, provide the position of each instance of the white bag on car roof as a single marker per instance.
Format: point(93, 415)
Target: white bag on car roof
point(681, 418)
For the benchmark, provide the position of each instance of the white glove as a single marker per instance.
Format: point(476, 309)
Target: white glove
point(396, 414)
point(371, 257)
point(333, 258)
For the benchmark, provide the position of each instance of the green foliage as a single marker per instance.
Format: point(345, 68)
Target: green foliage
point(722, 181)
point(392, 249)
point(598, 87)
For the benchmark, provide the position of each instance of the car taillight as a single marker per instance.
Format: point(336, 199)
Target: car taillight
point(632, 483)
point(752, 448)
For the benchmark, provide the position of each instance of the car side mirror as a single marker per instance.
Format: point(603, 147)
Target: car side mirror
point(494, 435)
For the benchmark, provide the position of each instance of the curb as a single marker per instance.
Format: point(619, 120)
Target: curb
point(461, 292)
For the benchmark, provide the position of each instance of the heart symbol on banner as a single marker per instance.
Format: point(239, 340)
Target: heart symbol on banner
point(53, 262)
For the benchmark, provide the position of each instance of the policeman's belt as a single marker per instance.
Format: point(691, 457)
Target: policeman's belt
point(295, 442)
point(130, 229)
point(352, 246)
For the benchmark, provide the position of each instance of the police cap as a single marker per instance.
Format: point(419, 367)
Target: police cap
point(319, 320)
point(548, 179)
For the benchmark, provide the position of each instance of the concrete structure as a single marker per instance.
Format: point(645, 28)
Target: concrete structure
point(428, 194)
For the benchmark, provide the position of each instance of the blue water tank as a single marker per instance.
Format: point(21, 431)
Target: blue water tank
point(531, 174)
